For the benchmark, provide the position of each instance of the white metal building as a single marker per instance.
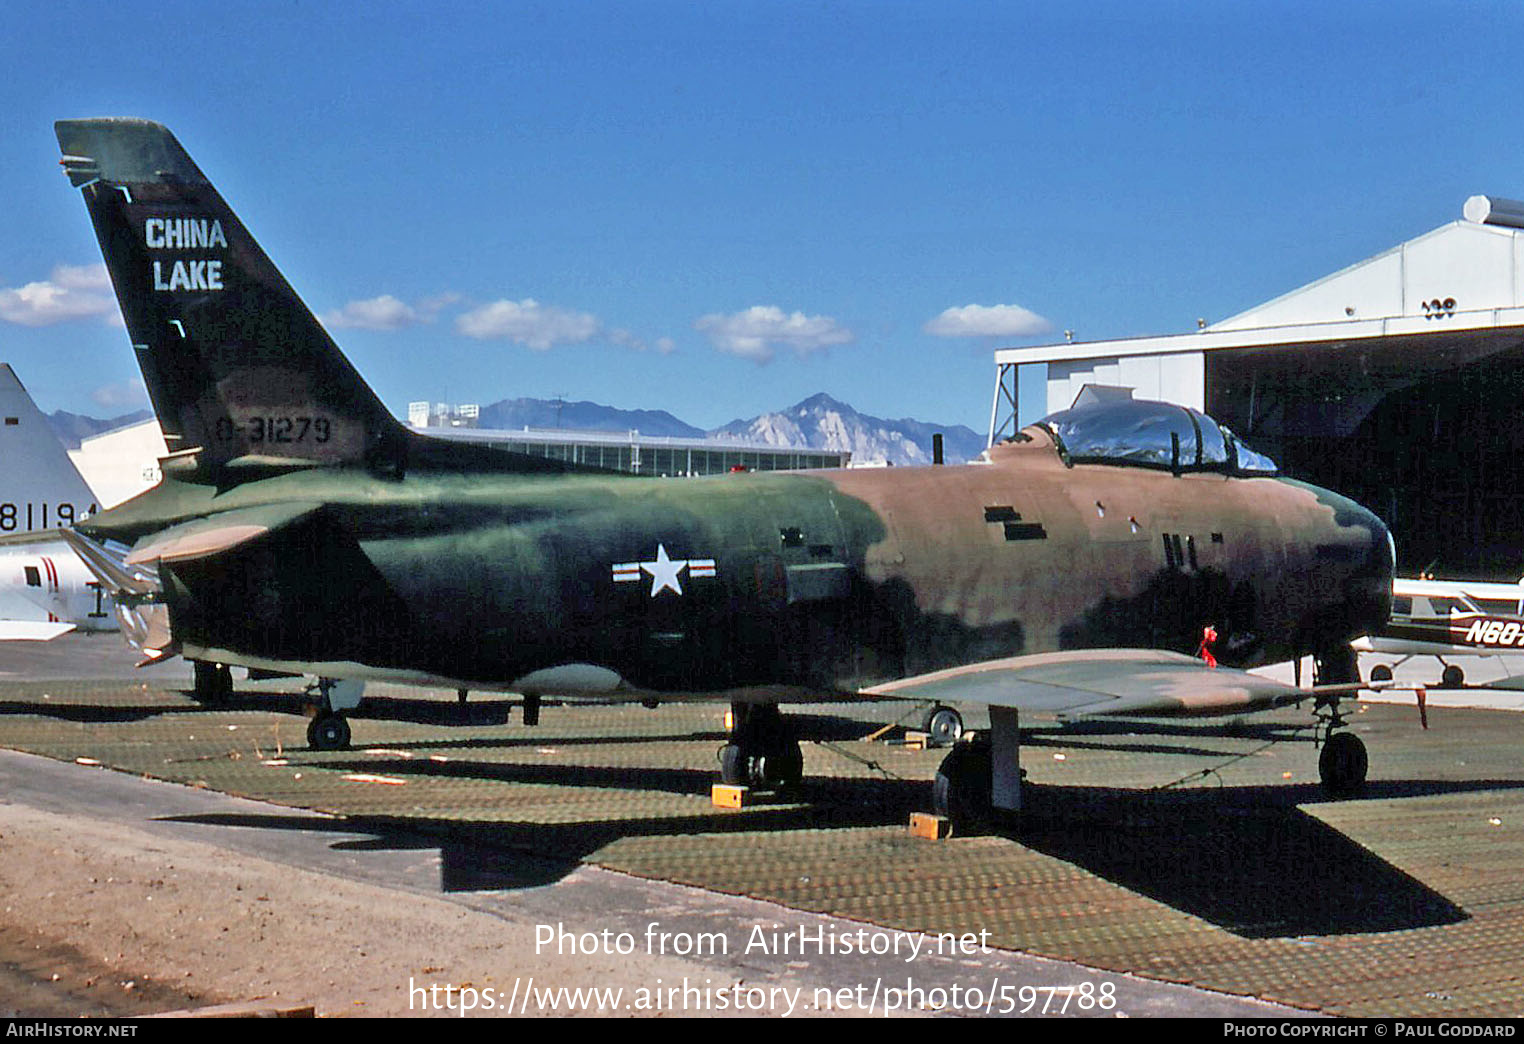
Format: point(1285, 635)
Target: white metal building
point(121, 463)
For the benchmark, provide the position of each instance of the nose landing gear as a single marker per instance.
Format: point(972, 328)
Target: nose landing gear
point(329, 728)
point(1343, 761)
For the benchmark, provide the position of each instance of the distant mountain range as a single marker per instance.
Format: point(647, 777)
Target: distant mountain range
point(819, 422)
point(511, 414)
point(73, 428)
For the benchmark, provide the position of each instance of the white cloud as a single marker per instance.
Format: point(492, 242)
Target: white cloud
point(988, 321)
point(431, 306)
point(625, 339)
point(72, 292)
point(756, 332)
point(377, 313)
point(128, 395)
point(530, 323)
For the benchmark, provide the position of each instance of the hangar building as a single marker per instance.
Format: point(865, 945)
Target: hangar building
point(1398, 381)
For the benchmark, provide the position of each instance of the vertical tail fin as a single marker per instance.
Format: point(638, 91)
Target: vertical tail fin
point(40, 488)
point(235, 363)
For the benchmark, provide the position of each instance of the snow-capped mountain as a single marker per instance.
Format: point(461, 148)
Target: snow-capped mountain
point(821, 422)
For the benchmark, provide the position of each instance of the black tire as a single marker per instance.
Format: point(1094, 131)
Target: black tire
point(783, 769)
point(944, 725)
point(733, 767)
point(1452, 677)
point(1381, 673)
point(213, 681)
point(1343, 764)
point(963, 788)
point(328, 732)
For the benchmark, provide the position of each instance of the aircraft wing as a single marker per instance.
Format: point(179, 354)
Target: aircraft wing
point(1099, 682)
point(213, 534)
point(32, 630)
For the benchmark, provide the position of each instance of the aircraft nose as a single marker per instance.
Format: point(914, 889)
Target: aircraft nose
point(1368, 589)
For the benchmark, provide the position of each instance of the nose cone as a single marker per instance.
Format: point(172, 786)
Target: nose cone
point(1368, 585)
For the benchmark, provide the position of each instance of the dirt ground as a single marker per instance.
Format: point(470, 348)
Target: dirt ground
point(100, 918)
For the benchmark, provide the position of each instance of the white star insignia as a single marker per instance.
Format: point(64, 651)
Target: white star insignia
point(664, 571)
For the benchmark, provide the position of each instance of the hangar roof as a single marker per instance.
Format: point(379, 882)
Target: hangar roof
point(1467, 275)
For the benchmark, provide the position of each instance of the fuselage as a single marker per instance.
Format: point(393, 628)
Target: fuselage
point(817, 581)
point(47, 583)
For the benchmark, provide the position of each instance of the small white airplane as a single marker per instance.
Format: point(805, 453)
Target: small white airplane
point(45, 590)
point(1441, 618)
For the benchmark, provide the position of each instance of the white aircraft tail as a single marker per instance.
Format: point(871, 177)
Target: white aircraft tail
point(40, 488)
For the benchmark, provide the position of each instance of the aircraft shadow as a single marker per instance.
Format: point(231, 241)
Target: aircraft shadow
point(83, 713)
point(1247, 859)
point(467, 863)
point(472, 851)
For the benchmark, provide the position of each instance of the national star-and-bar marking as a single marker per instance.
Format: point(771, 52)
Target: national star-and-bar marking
point(665, 572)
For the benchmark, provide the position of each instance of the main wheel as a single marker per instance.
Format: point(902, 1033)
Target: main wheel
point(1452, 677)
point(782, 769)
point(213, 681)
point(963, 788)
point(733, 767)
point(944, 725)
point(328, 732)
point(1381, 673)
point(1343, 764)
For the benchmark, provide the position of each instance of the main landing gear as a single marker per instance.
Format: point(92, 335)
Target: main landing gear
point(1452, 677)
point(1343, 761)
point(329, 727)
point(763, 751)
point(980, 779)
point(213, 682)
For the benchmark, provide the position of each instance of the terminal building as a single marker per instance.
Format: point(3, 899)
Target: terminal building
point(646, 454)
point(1398, 381)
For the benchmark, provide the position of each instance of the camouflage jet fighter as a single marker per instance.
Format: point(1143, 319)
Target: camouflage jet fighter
point(300, 528)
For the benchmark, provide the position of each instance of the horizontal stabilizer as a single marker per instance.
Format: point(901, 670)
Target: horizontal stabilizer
point(1097, 682)
point(32, 630)
point(108, 567)
point(217, 533)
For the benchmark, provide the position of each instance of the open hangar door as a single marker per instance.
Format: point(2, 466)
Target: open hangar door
point(1427, 430)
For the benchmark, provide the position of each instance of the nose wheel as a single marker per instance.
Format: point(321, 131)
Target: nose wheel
point(1343, 761)
point(329, 727)
point(1342, 764)
point(328, 732)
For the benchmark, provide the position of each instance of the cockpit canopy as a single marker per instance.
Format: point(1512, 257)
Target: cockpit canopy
point(1142, 433)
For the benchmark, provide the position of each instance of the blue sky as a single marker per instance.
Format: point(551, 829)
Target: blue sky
point(718, 209)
